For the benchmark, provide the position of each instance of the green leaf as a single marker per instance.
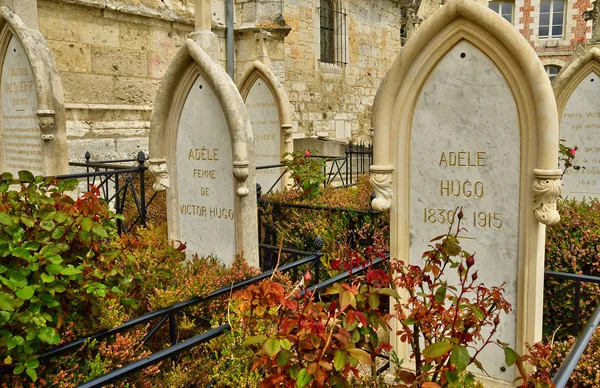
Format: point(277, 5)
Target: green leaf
point(451, 376)
point(19, 369)
point(5, 219)
point(54, 258)
point(28, 222)
point(477, 312)
point(339, 360)
point(17, 280)
point(25, 293)
point(7, 302)
point(99, 231)
point(58, 232)
point(440, 294)
point(4, 317)
point(48, 226)
point(510, 356)
point(70, 270)
point(26, 176)
point(21, 253)
point(437, 349)
point(257, 339)
point(373, 301)
point(389, 292)
point(460, 357)
point(362, 356)
point(32, 374)
point(60, 217)
point(47, 278)
point(284, 357)
point(410, 321)
point(303, 378)
point(48, 335)
point(32, 364)
point(85, 238)
point(347, 299)
point(54, 269)
point(87, 224)
point(272, 347)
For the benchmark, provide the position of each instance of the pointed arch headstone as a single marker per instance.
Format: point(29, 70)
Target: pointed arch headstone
point(466, 117)
point(271, 118)
point(577, 91)
point(33, 123)
point(201, 151)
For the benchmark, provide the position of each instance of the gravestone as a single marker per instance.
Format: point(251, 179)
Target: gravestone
point(201, 151)
point(457, 125)
point(270, 116)
point(32, 127)
point(21, 137)
point(577, 90)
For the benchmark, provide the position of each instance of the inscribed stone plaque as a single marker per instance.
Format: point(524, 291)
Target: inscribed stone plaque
point(264, 117)
point(20, 133)
point(204, 176)
point(465, 153)
point(580, 126)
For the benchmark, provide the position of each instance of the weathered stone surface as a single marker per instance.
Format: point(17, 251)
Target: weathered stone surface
point(88, 88)
point(134, 36)
point(20, 132)
point(72, 56)
point(264, 116)
point(579, 126)
point(119, 62)
point(135, 90)
point(472, 162)
point(205, 183)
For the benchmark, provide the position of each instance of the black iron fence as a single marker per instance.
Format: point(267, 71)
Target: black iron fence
point(569, 289)
point(309, 262)
point(339, 171)
point(574, 283)
point(121, 183)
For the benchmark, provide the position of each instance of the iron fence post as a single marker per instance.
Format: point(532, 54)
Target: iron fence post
point(173, 332)
point(88, 156)
point(577, 310)
point(318, 245)
point(141, 158)
point(350, 178)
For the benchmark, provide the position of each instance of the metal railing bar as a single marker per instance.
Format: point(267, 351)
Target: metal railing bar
point(309, 207)
point(572, 276)
point(96, 174)
point(97, 165)
point(171, 351)
point(568, 366)
point(154, 329)
point(70, 346)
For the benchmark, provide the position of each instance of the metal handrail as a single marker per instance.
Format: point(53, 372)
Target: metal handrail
point(568, 366)
point(174, 350)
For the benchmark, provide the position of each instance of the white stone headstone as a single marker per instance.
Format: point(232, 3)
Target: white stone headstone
point(465, 152)
point(580, 126)
point(20, 132)
point(204, 176)
point(264, 116)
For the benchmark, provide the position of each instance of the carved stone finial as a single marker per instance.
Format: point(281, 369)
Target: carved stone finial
point(160, 170)
point(46, 122)
point(547, 188)
point(287, 133)
point(240, 172)
point(381, 181)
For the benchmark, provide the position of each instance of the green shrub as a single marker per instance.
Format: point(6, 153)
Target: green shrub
point(586, 373)
point(572, 246)
point(58, 264)
point(344, 233)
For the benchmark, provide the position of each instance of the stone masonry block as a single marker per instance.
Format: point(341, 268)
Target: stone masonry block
point(135, 90)
point(71, 56)
point(135, 37)
point(87, 88)
point(158, 64)
point(119, 62)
